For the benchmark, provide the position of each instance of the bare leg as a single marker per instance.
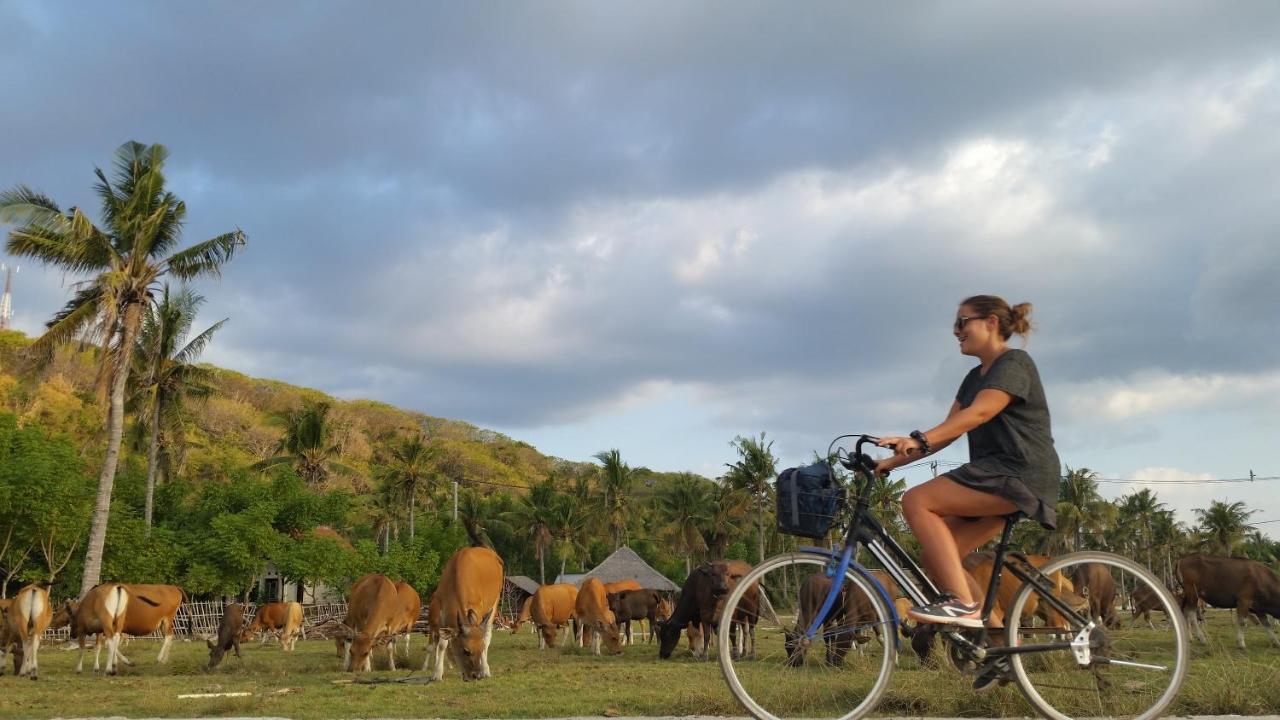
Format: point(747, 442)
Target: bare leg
point(926, 508)
point(973, 534)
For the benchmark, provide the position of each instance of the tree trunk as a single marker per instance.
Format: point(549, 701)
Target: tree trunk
point(760, 523)
point(412, 493)
point(115, 432)
point(542, 566)
point(153, 462)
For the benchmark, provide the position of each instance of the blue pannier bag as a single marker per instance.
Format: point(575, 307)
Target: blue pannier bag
point(808, 499)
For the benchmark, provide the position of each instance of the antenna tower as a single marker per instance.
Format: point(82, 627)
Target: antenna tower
point(6, 302)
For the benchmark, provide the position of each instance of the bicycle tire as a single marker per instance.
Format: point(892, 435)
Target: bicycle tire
point(801, 562)
point(1179, 652)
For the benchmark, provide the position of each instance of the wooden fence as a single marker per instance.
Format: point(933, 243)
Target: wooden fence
point(201, 619)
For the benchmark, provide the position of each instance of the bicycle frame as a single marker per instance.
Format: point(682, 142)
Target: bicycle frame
point(865, 529)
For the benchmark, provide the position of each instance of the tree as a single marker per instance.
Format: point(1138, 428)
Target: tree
point(729, 508)
point(1138, 511)
point(1080, 507)
point(1224, 525)
point(616, 479)
point(307, 444)
point(536, 512)
point(685, 507)
point(126, 257)
point(169, 374)
point(411, 471)
point(755, 467)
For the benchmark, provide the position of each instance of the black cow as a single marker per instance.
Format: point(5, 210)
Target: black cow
point(229, 630)
point(697, 606)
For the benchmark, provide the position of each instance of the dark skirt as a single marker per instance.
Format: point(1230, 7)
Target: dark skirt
point(1009, 488)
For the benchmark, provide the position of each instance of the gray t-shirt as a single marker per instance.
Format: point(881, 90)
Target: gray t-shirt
point(1017, 442)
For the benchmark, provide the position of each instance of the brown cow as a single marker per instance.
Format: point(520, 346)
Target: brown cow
point(340, 639)
point(696, 610)
point(1093, 581)
point(411, 603)
point(103, 612)
point(8, 639)
point(846, 623)
point(27, 619)
point(617, 587)
point(470, 588)
point(631, 605)
point(1145, 600)
point(526, 610)
point(282, 619)
point(979, 565)
point(150, 608)
point(230, 627)
point(374, 614)
point(552, 608)
point(742, 629)
point(1248, 586)
point(597, 621)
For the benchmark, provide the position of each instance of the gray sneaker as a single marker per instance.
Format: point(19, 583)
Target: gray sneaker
point(948, 612)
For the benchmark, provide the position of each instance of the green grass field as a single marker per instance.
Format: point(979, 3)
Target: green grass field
point(528, 683)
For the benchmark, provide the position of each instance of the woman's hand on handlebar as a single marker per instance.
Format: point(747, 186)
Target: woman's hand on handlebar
point(904, 447)
point(884, 465)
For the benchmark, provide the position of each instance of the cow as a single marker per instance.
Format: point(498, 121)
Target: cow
point(470, 588)
point(28, 617)
point(230, 628)
point(631, 605)
point(526, 610)
point(1247, 586)
point(551, 608)
point(619, 586)
point(846, 623)
point(9, 642)
point(374, 615)
point(696, 607)
point(1144, 600)
point(102, 612)
point(596, 620)
point(980, 564)
point(746, 615)
point(150, 608)
point(411, 604)
point(283, 619)
point(1093, 581)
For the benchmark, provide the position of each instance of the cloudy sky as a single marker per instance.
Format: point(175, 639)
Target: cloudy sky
point(656, 226)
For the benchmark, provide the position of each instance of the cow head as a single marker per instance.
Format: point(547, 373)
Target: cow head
point(360, 645)
point(65, 615)
point(668, 637)
point(608, 629)
point(794, 642)
point(469, 642)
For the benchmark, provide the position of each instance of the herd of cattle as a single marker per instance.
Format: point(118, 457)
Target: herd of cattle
point(463, 612)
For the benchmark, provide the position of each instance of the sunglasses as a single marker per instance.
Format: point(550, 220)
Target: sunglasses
point(962, 321)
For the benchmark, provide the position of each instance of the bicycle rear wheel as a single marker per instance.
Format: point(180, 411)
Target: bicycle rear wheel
point(775, 672)
point(1133, 672)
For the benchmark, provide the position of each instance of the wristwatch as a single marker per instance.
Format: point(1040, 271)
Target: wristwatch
point(920, 438)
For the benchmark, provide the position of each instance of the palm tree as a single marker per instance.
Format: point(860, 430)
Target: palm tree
point(410, 471)
point(570, 522)
point(307, 444)
point(535, 513)
point(473, 513)
point(685, 507)
point(1224, 526)
point(755, 467)
point(1138, 511)
point(729, 508)
point(383, 506)
point(125, 258)
point(616, 479)
point(169, 373)
point(1079, 506)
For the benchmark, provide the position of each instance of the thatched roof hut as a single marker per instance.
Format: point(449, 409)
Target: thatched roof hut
point(625, 564)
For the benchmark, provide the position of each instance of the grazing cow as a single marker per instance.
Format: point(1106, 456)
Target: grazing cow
point(526, 610)
point(617, 587)
point(411, 603)
point(631, 605)
point(1145, 600)
point(230, 628)
point(979, 565)
point(28, 617)
point(1094, 582)
point(470, 588)
point(104, 612)
point(696, 607)
point(374, 614)
point(7, 639)
point(596, 620)
point(282, 619)
point(150, 608)
point(846, 623)
point(552, 608)
point(1248, 586)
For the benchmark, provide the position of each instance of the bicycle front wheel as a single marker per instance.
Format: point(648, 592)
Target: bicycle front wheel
point(1133, 670)
point(778, 673)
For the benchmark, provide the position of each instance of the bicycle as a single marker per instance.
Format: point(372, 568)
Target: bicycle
point(1074, 666)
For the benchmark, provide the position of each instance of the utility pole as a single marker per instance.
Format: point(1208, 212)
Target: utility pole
point(934, 466)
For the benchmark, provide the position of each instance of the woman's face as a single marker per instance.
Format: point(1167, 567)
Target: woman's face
point(974, 331)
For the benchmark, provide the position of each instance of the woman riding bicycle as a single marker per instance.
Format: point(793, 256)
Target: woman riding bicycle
point(1012, 466)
